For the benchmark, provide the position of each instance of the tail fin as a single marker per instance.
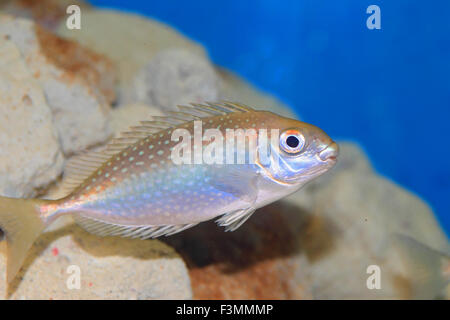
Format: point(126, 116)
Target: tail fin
point(21, 223)
point(428, 267)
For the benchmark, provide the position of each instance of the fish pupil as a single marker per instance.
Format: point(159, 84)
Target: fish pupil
point(292, 141)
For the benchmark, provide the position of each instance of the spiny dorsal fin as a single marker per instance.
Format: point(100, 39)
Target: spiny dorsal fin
point(214, 108)
point(231, 106)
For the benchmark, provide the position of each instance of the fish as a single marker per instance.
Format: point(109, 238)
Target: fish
point(138, 186)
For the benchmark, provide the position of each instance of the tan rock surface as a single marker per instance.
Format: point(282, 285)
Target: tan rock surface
point(75, 82)
point(260, 260)
point(174, 77)
point(30, 154)
point(233, 88)
point(108, 268)
point(48, 13)
point(135, 42)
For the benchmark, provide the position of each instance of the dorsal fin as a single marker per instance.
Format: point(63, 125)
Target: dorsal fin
point(187, 113)
point(81, 166)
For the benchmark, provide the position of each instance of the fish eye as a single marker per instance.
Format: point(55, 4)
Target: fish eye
point(292, 141)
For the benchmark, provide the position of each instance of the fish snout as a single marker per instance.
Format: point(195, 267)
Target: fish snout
point(329, 153)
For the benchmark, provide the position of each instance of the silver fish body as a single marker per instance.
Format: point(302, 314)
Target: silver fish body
point(137, 187)
point(142, 186)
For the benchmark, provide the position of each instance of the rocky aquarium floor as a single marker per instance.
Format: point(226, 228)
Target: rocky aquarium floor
point(63, 91)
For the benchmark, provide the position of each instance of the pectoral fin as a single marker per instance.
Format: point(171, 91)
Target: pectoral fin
point(233, 220)
point(238, 180)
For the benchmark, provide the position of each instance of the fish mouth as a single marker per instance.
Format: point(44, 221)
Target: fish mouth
point(329, 153)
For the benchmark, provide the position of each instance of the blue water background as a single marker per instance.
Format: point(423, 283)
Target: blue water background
point(388, 89)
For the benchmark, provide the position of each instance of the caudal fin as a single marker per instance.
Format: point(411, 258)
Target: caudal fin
point(21, 223)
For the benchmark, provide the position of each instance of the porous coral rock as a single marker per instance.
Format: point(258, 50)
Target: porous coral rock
point(78, 83)
point(30, 154)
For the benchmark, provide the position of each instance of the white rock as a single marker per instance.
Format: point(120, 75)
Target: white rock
point(135, 42)
point(233, 88)
point(30, 155)
point(73, 81)
point(174, 77)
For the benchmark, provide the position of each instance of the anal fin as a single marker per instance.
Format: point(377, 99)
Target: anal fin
point(102, 228)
